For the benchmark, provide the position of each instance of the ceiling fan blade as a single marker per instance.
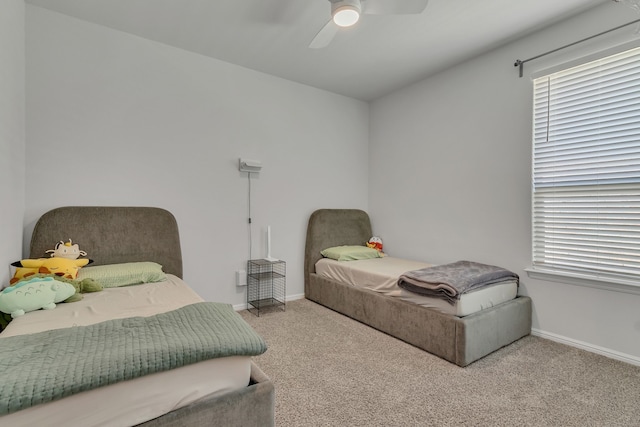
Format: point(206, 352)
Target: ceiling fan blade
point(324, 36)
point(393, 7)
point(270, 13)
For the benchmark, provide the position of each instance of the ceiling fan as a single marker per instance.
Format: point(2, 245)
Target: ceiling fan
point(345, 13)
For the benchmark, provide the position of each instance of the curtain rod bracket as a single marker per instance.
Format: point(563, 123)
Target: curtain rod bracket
point(521, 65)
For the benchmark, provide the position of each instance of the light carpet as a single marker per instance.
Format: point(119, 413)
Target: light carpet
point(330, 370)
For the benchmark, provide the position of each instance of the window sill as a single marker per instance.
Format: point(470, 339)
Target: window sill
point(625, 286)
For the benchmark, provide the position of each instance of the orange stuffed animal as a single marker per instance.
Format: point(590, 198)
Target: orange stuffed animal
point(375, 242)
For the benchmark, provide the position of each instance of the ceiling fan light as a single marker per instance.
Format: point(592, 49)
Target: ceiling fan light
point(346, 16)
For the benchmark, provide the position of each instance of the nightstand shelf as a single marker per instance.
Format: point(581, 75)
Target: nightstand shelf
point(266, 285)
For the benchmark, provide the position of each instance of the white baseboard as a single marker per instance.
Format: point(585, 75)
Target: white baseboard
point(243, 306)
point(633, 360)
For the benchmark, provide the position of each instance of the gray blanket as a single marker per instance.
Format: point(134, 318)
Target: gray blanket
point(46, 366)
point(450, 281)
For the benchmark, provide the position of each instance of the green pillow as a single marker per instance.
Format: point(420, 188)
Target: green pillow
point(130, 273)
point(348, 253)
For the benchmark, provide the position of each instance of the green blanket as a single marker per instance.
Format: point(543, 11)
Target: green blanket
point(50, 365)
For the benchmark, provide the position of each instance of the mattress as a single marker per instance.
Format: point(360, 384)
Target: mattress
point(141, 399)
point(381, 275)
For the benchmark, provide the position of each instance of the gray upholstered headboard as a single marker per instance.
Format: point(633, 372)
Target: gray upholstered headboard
point(112, 235)
point(333, 227)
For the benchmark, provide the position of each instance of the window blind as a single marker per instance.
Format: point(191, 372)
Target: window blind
point(586, 169)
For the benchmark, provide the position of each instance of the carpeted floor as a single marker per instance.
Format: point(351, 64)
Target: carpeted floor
point(330, 370)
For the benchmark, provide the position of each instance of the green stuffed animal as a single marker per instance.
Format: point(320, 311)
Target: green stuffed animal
point(81, 286)
point(34, 294)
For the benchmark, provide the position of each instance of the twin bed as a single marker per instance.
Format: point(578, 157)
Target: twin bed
point(212, 382)
point(477, 324)
point(227, 389)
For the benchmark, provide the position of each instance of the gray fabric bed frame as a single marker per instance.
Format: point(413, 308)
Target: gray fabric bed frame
point(460, 340)
point(126, 234)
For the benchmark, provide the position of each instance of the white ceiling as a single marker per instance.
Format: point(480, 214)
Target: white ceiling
point(378, 55)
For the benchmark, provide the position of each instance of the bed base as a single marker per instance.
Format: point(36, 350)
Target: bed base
point(252, 406)
point(460, 340)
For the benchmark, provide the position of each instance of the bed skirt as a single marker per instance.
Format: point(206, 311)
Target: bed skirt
point(460, 340)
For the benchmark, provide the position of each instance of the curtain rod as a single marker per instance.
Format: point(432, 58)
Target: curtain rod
point(520, 63)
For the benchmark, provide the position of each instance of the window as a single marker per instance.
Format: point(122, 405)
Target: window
point(586, 170)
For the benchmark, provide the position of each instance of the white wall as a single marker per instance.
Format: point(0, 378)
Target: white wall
point(12, 132)
point(120, 120)
point(450, 179)
point(115, 119)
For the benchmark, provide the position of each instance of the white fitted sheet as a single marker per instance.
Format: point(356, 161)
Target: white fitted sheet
point(381, 275)
point(141, 399)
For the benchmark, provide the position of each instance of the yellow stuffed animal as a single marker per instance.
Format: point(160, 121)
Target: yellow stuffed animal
point(62, 267)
